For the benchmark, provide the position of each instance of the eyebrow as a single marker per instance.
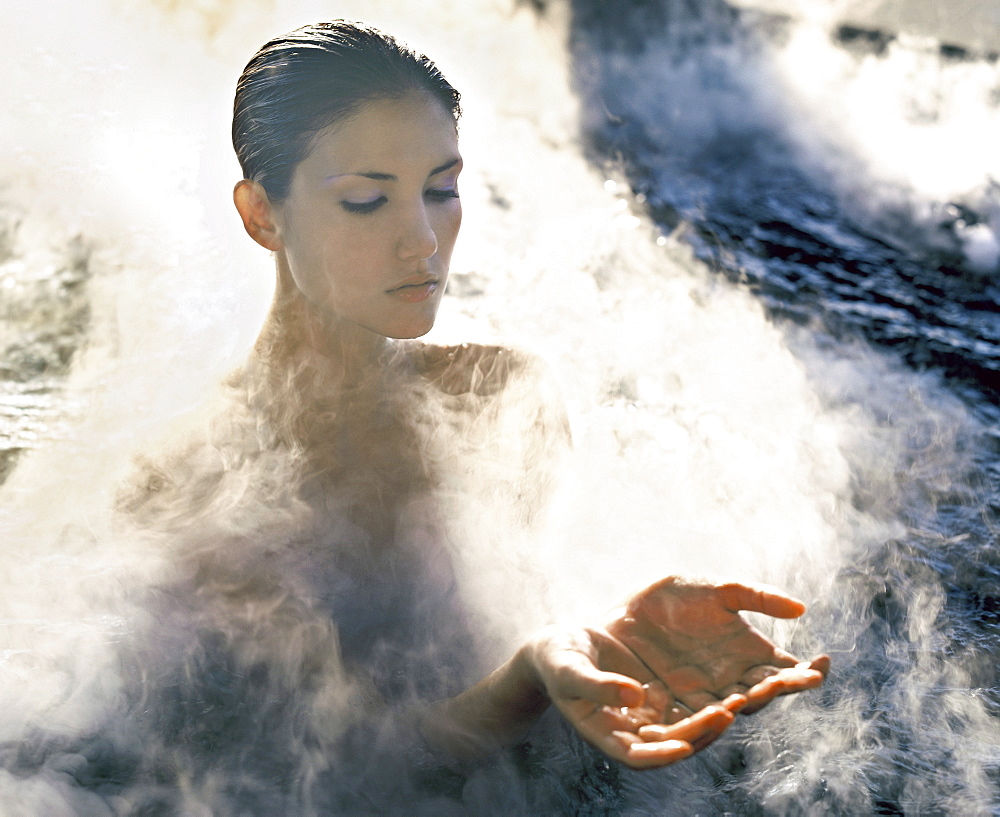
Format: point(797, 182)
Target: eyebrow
point(389, 177)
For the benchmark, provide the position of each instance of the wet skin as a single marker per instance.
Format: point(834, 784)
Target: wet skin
point(362, 246)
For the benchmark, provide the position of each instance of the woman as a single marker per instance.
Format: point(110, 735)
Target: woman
point(348, 145)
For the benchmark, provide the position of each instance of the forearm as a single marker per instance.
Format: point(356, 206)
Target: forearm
point(494, 713)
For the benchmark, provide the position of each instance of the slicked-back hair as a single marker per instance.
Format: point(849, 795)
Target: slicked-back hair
point(314, 77)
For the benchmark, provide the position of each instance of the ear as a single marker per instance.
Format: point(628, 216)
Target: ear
point(258, 214)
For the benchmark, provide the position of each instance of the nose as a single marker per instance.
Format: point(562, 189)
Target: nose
point(418, 240)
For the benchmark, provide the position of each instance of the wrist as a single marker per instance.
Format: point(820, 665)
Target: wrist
point(494, 713)
point(527, 671)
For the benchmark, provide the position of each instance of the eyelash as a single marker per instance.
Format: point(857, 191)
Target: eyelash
point(364, 207)
point(442, 194)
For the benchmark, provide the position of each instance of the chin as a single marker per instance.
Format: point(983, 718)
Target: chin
point(416, 326)
point(411, 334)
point(410, 331)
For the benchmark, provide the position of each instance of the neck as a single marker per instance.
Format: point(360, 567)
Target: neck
point(334, 392)
point(299, 337)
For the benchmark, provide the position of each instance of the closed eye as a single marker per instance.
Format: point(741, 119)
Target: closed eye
point(363, 206)
point(442, 194)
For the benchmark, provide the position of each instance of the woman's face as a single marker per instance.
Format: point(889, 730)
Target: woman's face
point(372, 215)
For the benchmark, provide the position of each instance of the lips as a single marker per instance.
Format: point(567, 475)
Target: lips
point(419, 289)
point(414, 281)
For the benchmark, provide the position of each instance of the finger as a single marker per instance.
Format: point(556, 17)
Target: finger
point(658, 706)
point(735, 702)
point(821, 663)
point(658, 697)
point(802, 676)
point(575, 676)
point(607, 729)
point(780, 658)
point(641, 755)
point(756, 675)
point(786, 682)
point(760, 598)
point(708, 723)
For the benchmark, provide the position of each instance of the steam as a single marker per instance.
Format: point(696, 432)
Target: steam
point(901, 128)
point(902, 116)
point(706, 440)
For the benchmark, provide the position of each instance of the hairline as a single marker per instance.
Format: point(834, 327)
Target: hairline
point(354, 110)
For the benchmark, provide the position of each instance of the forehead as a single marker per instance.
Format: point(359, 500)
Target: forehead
point(403, 136)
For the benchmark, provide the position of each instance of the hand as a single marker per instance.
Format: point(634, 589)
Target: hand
point(691, 638)
point(665, 678)
point(591, 677)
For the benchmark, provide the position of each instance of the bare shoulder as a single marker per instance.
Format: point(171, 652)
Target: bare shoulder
point(520, 386)
point(476, 369)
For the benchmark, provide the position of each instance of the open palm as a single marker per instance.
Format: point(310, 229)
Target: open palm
point(691, 637)
point(665, 677)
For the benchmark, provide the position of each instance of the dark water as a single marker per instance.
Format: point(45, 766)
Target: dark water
point(673, 99)
point(761, 218)
point(665, 86)
point(44, 315)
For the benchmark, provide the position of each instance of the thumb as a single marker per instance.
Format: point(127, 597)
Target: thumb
point(576, 676)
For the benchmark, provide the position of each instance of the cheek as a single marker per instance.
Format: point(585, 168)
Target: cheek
point(451, 221)
point(336, 249)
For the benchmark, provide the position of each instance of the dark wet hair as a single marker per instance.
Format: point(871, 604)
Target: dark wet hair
point(314, 77)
